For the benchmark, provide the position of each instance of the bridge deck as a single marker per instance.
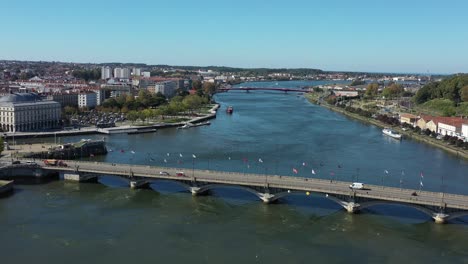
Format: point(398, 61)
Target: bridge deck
point(300, 184)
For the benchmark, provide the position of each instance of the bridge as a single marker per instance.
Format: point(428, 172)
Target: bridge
point(247, 89)
point(441, 207)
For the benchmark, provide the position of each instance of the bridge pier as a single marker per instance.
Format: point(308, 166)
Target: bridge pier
point(440, 218)
point(351, 207)
point(195, 190)
point(80, 177)
point(139, 184)
point(266, 197)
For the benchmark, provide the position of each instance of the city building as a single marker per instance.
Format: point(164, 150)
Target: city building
point(167, 88)
point(27, 112)
point(122, 73)
point(136, 72)
point(146, 74)
point(65, 99)
point(87, 99)
point(106, 73)
point(115, 90)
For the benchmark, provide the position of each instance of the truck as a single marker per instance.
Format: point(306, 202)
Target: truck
point(54, 162)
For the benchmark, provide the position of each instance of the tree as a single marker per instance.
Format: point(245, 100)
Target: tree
point(393, 90)
point(132, 116)
point(464, 93)
point(196, 85)
point(192, 102)
point(372, 89)
point(357, 82)
point(209, 88)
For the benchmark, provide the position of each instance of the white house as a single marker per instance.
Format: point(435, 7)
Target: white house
point(465, 131)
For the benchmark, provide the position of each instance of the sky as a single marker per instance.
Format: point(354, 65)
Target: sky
point(361, 35)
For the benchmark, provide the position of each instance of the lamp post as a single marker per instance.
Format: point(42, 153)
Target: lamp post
point(193, 165)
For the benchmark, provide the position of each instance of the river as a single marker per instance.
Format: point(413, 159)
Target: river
point(269, 132)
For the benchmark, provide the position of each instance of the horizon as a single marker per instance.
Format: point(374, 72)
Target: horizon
point(424, 37)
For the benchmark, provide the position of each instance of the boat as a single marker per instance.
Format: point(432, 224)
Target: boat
point(229, 110)
point(185, 126)
point(389, 132)
point(141, 131)
point(189, 125)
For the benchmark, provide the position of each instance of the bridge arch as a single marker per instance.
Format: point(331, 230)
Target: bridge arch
point(180, 183)
point(456, 215)
point(209, 187)
point(422, 209)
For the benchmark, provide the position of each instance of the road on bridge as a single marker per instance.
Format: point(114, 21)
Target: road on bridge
point(293, 184)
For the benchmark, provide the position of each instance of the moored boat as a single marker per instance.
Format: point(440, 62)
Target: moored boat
point(229, 110)
point(389, 132)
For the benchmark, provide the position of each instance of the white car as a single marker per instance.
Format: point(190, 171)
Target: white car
point(164, 173)
point(357, 186)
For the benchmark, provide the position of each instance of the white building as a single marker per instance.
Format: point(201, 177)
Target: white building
point(451, 127)
point(88, 99)
point(122, 73)
point(106, 73)
point(27, 112)
point(146, 74)
point(465, 131)
point(136, 72)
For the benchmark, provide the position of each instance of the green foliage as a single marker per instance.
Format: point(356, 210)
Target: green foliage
point(357, 82)
point(87, 75)
point(197, 85)
point(441, 107)
point(372, 89)
point(393, 90)
point(464, 93)
point(452, 88)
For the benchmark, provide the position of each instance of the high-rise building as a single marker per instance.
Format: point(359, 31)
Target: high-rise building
point(122, 73)
point(106, 73)
point(136, 72)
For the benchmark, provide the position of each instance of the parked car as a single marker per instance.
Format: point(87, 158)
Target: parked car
point(16, 162)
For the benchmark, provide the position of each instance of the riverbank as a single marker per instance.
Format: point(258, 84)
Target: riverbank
point(408, 134)
point(112, 130)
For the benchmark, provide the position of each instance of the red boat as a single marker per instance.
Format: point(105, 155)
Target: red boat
point(229, 110)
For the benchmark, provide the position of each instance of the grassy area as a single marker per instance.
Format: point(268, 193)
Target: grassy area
point(442, 107)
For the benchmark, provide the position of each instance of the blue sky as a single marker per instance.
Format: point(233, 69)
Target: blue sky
point(361, 35)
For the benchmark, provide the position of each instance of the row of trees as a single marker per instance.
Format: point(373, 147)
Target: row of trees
point(125, 103)
point(392, 90)
point(185, 105)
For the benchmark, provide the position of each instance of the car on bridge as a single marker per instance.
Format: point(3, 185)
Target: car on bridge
point(164, 173)
point(180, 173)
point(357, 186)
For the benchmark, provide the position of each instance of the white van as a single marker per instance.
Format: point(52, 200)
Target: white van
point(357, 185)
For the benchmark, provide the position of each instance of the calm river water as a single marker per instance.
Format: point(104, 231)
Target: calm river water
point(269, 132)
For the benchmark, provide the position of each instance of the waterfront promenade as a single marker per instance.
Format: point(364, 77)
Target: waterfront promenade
point(269, 188)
